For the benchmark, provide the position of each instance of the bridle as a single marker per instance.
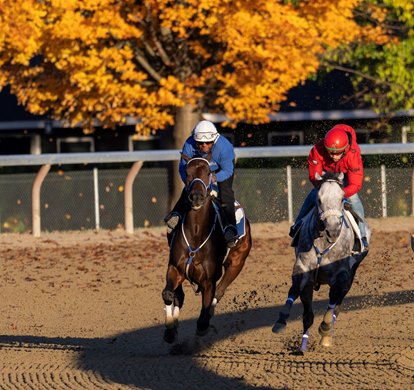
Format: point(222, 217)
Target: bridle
point(323, 215)
point(207, 187)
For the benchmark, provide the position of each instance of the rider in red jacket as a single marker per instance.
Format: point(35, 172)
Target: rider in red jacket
point(337, 152)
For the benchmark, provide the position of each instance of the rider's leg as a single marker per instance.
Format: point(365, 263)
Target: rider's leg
point(356, 204)
point(176, 214)
point(226, 201)
point(308, 203)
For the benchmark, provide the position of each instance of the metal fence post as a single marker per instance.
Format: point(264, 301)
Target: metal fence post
point(289, 193)
point(129, 181)
point(37, 184)
point(384, 191)
point(96, 198)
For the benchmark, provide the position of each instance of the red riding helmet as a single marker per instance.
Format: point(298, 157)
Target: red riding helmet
point(336, 140)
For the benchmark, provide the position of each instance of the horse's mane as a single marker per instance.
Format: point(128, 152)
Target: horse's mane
point(332, 176)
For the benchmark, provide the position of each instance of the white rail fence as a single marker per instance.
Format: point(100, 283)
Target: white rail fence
point(45, 161)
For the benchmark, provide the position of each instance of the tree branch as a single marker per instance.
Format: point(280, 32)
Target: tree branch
point(363, 75)
point(145, 64)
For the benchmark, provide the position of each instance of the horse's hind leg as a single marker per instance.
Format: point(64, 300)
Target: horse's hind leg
point(337, 293)
point(233, 266)
point(231, 271)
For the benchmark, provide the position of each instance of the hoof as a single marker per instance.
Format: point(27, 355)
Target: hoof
point(325, 329)
point(279, 326)
point(326, 341)
point(169, 335)
point(202, 332)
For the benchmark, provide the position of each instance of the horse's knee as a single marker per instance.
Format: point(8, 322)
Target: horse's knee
point(340, 288)
point(179, 297)
point(168, 296)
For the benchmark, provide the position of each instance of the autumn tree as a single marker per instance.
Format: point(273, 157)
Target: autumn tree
point(382, 74)
point(163, 62)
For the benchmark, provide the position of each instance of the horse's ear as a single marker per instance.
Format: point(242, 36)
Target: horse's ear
point(185, 157)
point(341, 176)
point(318, 176)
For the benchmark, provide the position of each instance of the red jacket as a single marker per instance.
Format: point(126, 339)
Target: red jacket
point(351, 163)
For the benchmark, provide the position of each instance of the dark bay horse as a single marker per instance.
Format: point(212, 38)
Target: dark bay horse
point(326, 253)
point(198, 252)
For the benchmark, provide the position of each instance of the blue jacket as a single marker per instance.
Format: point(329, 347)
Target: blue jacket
point(222, 155)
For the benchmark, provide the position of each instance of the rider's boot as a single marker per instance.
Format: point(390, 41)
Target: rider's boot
point(228, 216)
point(172, 219)
point(230, 236)
point(364, 244)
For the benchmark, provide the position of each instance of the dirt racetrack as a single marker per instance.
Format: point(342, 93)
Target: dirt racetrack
point(83, 310)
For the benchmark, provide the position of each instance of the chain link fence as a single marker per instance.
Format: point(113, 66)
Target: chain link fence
point(69, 200)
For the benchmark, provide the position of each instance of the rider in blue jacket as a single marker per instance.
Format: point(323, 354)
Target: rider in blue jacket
point(203, 140)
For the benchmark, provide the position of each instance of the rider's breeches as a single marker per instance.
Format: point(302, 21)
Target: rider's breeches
point(356, 204)
point(226, 201)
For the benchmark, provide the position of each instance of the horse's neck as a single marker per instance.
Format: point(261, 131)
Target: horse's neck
point(200, 221)
point(314, 223)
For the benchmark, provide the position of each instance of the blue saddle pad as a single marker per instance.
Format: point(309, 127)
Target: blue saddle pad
point(240, 218)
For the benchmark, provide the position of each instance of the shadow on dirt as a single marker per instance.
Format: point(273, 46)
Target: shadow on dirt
point(141, 358)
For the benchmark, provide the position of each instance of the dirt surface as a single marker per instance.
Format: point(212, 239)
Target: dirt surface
point(83, 310)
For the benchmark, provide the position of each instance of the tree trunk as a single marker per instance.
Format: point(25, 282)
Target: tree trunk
point(185, 120)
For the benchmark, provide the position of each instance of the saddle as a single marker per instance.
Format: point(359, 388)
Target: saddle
point(240, 218)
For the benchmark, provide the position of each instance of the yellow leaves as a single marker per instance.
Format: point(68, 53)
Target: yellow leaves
point(20, 30)
point(108, 60)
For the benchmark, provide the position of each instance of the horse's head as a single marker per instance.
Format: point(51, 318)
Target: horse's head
point(330, 202)
point(198, 183)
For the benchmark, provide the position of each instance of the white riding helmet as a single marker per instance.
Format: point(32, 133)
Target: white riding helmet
point(205, 131)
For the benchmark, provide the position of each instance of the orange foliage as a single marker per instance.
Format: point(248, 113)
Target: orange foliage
point(106, 60)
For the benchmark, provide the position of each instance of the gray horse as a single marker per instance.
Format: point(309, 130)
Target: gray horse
point(327, 252)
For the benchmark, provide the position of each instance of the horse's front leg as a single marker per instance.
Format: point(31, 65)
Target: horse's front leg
point(203, 322)
point(298, 280)
point(306, 296)
point(173, 296)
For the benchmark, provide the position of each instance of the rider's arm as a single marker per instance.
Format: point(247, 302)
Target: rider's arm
point(355, 173)
point(188, 150)
point(223, 154)
point(315, 165)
